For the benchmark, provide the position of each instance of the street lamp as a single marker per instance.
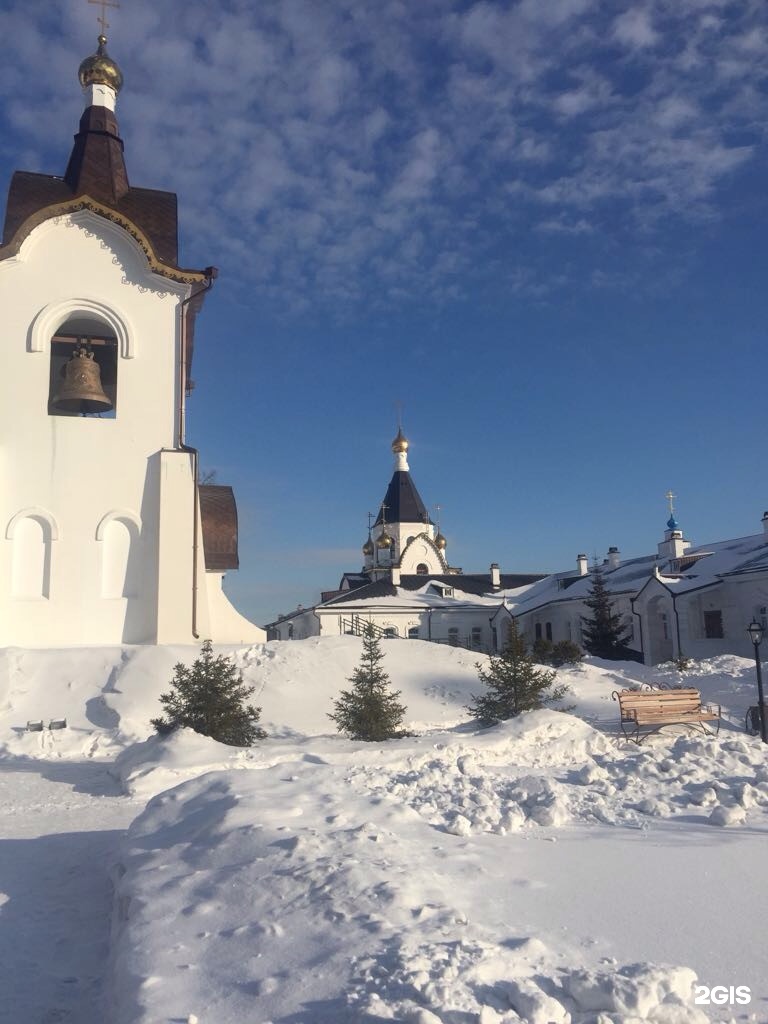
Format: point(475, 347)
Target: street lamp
point(755, 631)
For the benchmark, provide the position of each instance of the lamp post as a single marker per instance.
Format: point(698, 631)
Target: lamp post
point(755, 631)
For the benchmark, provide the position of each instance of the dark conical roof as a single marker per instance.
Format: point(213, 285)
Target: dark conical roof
point(403, 502)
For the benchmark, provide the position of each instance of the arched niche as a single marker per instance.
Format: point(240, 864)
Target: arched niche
point(119, 535)
point(31, 532)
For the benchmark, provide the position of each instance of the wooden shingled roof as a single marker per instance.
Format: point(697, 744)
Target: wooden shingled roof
point(218, 515)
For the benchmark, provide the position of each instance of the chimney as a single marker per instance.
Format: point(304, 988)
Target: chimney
point(582, 564)
point(765, 522)
point(495, 576)
point(613, 558)
point(395, 575)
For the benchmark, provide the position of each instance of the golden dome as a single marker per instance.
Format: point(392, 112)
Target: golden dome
point(400, 444)
point(368, 548)
point(100, 69)
point(441, 542)
point(383, 541)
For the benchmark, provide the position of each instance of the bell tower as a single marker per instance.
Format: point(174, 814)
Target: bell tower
point(107, 537)
point(403, 536)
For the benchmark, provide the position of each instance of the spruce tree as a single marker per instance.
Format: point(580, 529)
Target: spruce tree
point(369, 711)
point(514, 683)
point(210, 697)
point(605, 635)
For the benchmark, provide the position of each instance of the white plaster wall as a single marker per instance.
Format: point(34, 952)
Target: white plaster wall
point(225, 622)
point(77, 470)
point(418, 551)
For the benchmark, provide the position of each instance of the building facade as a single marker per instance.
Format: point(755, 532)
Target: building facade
point(107, 536)
point(406, 587)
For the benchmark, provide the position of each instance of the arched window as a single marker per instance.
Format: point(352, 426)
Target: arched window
point(413, 633)
point(81, 333)
point(422, 569)
point(390, 632)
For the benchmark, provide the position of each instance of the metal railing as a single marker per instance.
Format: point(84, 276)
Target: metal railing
point(357, 626)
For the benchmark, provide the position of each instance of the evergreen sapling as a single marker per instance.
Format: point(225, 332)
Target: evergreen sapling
point(514, 683)
point(210, 697)
point(370, 710)
point(605, 635)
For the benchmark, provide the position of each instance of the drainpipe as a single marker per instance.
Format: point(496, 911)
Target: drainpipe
point(211, 273)
point(640, 624)
point(677, 623)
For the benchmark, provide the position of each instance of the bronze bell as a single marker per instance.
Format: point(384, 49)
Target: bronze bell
point(81, 390)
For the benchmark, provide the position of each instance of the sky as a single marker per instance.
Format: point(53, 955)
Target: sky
point(538, 228)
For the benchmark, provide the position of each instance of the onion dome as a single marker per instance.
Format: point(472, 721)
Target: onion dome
point(441, 542)
point(368, 548)
point(672, 523)
point(100, 69)
point(384, 541)
point(400, 444)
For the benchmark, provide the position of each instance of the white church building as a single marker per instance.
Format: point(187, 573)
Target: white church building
point(406, 587)
point(107, 536)
point(687, 600)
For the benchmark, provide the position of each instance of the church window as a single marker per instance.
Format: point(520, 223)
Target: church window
point(477, 637)
point(290, 631)
point(537, 631)
point(99, 342)
point(390, 632)
point(413, 633)
point(713, 625)
point(453, 636)
point(548, 630)
point(422, 569)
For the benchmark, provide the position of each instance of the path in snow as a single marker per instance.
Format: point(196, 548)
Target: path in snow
point(60, 826)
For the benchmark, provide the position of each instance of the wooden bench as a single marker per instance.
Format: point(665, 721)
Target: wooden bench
point(651, 710)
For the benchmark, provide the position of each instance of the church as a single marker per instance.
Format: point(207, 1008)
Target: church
point(108, 536)
point(406, 587)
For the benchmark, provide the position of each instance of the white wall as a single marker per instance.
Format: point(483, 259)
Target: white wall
point(74, 490)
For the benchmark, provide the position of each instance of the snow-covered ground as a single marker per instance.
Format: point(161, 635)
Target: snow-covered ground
point(538, 871)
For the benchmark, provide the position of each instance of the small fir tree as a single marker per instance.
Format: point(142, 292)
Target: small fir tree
point(369, 711)
point(605, 634)
point(210, 697)
point(566, 652)
point(514, 683)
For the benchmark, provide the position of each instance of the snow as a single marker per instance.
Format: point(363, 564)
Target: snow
point(537, 871)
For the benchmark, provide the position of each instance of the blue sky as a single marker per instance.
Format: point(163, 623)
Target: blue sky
point(541, 226)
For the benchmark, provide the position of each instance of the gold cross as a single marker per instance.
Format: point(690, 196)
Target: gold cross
point(671, 499)
point(102, 18)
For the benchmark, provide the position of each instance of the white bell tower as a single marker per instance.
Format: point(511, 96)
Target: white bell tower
point(106, 536)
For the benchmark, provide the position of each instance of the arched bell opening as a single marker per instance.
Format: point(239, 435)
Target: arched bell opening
point(83, 372)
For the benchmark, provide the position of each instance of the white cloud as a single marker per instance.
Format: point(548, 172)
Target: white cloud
point(634, 28)
point(343, 151)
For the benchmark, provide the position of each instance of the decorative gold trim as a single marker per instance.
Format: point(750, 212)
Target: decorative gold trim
point(85, 202)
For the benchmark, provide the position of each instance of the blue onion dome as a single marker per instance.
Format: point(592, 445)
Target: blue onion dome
point(672, 523)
